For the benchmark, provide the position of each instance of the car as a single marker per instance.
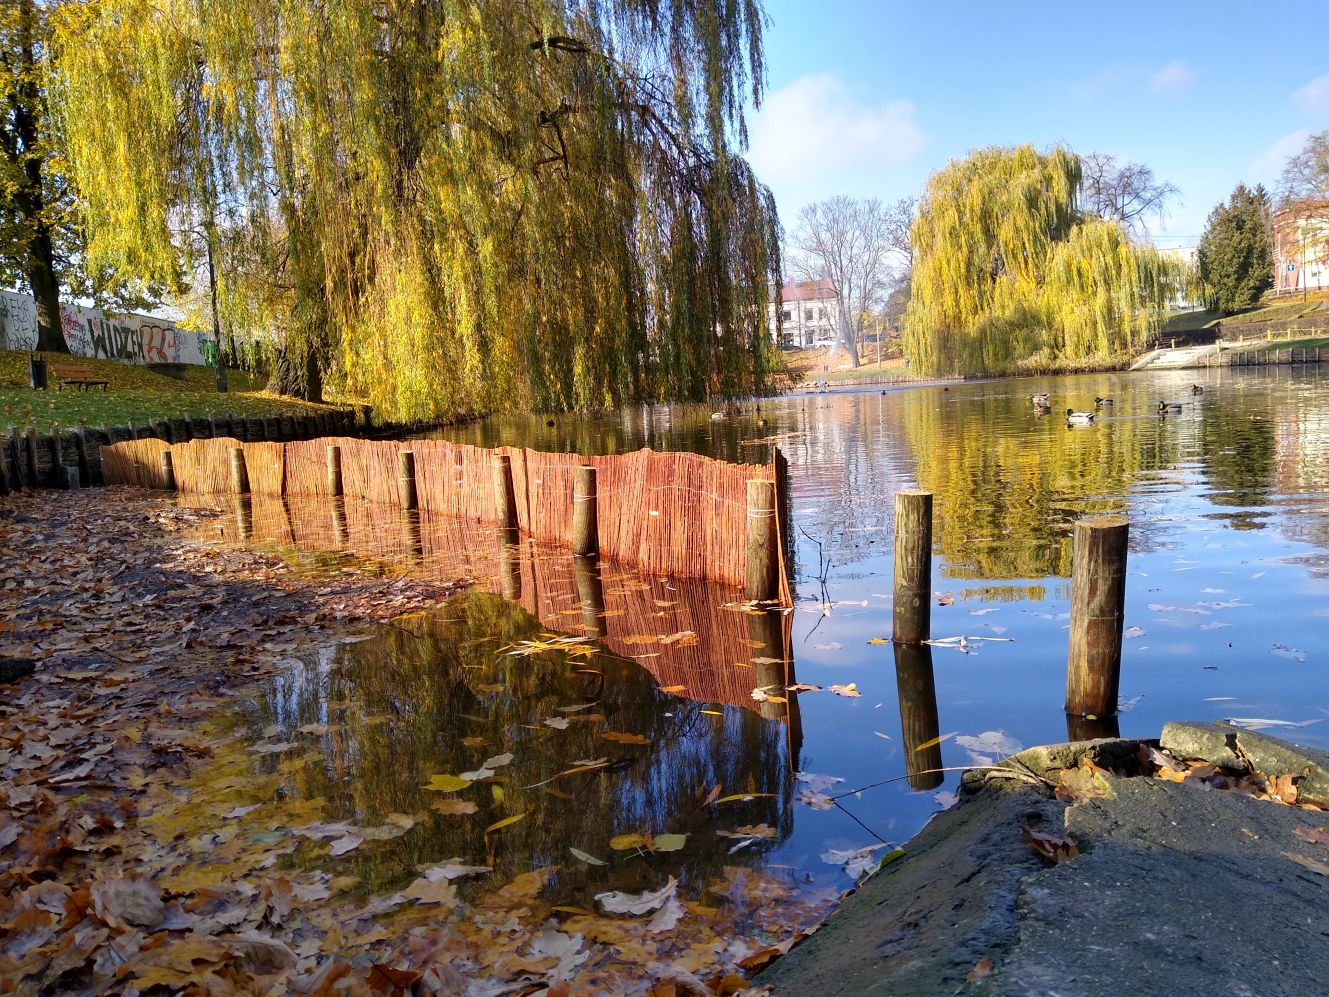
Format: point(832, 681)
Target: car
point(823, 341)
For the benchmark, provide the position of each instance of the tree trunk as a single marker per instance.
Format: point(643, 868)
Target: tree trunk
point(30, 198)
point(848, 335)
point(297, 376)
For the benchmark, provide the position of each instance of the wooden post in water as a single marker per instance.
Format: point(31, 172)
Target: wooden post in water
point(168, 471)
point(763, 561)
point(406, 479)
point(912, 602)
point(334, 470)
point(591, 592)
point(239, 473)
point(1098, 598)
point(585, 513)
point(410, 523)
point(244, 516)
point(505, 495)
point(919, 723)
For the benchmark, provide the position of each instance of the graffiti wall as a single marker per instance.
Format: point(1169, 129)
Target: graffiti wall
point(90, 332)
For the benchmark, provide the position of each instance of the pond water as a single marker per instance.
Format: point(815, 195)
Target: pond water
point(644, 731)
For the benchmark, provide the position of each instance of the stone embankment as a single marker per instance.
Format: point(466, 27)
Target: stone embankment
point(1088, 869)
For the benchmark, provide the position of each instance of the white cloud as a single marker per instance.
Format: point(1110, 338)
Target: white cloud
point(813, 139)
point(1115, 81)
point(1313, 98)
point(1173, 78)
point(1268, 166)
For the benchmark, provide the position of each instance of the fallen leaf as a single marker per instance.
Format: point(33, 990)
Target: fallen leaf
point(585, 857)
point(1054, 847)
point(846, 690)
point(506, 821)
point(446, 783)
point(668, 842)
point(622, 738)
point(638, 903)
point(981, 969)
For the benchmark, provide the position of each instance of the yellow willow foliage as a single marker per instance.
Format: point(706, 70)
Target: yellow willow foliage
point(452, 206)
point(1005, 269)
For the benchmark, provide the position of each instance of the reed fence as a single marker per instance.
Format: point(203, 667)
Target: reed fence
point(677, 514)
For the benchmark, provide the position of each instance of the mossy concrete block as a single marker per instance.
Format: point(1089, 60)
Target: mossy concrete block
point(1232, 747)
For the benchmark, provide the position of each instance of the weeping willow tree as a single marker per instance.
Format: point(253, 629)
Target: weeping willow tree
point(1006, 269)
point(447, 206)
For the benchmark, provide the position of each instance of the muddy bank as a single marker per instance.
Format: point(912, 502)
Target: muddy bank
point(1197, 864)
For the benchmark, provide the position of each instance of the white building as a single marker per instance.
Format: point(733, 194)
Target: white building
point(1301, 247)
point(803, 312)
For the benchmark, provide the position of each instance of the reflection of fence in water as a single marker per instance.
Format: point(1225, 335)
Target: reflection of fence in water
point(730, 653)
point(677, 514)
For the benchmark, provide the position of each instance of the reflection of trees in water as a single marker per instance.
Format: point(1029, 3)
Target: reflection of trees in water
point(441, 698)
point(1010, 487)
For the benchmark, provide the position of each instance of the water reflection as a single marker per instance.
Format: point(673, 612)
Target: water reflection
point(438, 694)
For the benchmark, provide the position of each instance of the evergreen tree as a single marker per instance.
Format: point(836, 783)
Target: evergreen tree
point(1235, 260)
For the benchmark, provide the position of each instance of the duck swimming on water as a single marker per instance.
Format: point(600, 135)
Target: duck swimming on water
point(1040, 401)
point(1166, 408)
point(1079, 418)
point(1102, 403)
point(1197, 389)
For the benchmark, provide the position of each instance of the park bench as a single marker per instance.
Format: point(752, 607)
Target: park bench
point(71, 374)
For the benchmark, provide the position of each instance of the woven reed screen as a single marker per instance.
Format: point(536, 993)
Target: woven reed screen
point(677, 514)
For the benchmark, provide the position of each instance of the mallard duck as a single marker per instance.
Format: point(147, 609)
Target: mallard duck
point(1102, 403)
point(1197, 389)
point(1042, 410)
point(1040, 400)
point(1165, 407)
point(1079, 418)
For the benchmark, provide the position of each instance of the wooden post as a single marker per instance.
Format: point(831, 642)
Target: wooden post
point(81, 448)
point(334, 470)
point(1080, 728)
point(1098, 597)
point(212, 426)
point(590, 589)
point(168, 471)
point(55, 474)
point(505, 496)
point(917, 693)
point(265, 431)
point(763, 562)
point(69, 477)
point(913, 567)
point(339, 522)
point(14, 448)
point(585, 513)
point(406, 479)
point(410, 523)
point(4, 468)
point(244, 514)
point(239, 473)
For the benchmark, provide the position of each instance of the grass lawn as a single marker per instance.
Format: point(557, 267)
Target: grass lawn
point(1296, 344)
point(134, 394)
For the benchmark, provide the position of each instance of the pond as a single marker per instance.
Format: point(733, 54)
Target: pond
point(639, 743)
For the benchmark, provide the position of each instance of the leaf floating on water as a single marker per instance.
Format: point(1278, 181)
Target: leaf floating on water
point(855, 861)
point(272, 748)
point(581, 856)
point(834, 645)
point(982, 612)
point(498, 761)
point(1133, 632)
point(673, 689)
point(446, 783)
point(767, 661)
point(345, 844)
point(638, 903)
point(802, 687)
point(585, 767)
point(623, 842)
point(683, 638)
point(879, 640)
point(737, 797)
point(668, 842)
point(748, 831)
point(1286, 651)
point(934, 741)
point(850, 690)
point(477, 775)
point(558, 723)
point(454, 806)
point(996, 741)
point(1257, 723)
point(454, 869)
point(428, 891)
point(620, 737)
point(575, 709)
point(945, 799)
point(505, 822)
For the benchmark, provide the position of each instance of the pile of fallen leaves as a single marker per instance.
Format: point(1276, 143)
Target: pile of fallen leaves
point(128, 866)
point(137, 634)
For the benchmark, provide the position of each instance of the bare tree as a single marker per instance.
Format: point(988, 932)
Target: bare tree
point(1123, 192)
point(1306, 174)
point(849, 242)
point(899, 219)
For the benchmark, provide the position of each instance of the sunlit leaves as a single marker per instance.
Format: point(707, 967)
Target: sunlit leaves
point(446, 783)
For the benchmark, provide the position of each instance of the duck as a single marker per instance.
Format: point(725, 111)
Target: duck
point(1079, 418)
point(1197, 389)
point(1165, 407)
point(1102, 403)
point(1042, 410)
point(1039, 401)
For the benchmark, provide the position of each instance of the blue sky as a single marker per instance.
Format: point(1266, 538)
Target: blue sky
point(868, 99)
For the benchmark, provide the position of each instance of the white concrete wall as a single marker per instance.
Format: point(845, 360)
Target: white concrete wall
point(90, 332)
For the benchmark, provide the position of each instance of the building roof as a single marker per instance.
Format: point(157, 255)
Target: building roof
point(807, 290)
